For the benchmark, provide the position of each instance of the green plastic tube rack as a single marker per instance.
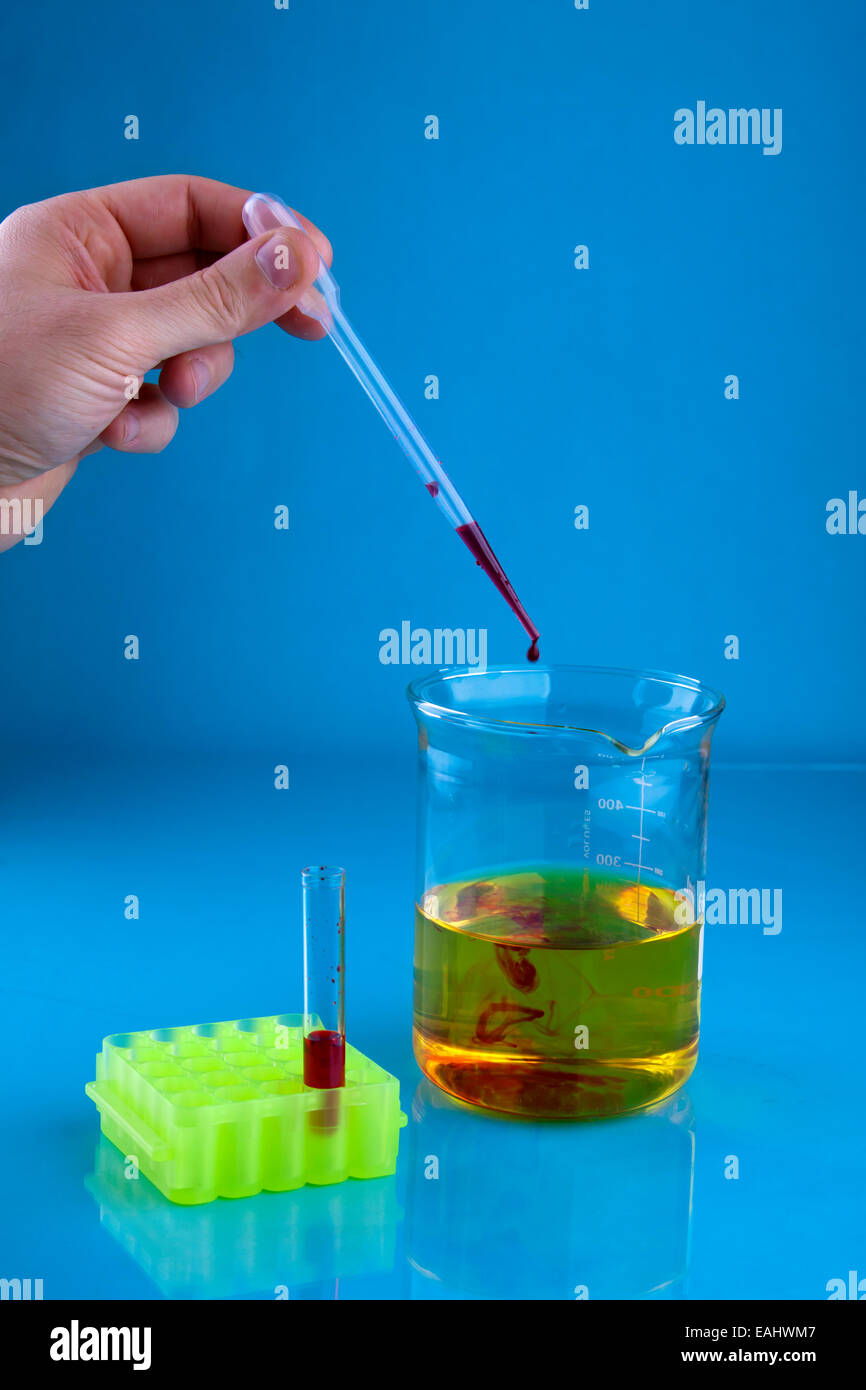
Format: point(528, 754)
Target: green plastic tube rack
point(221, 1110)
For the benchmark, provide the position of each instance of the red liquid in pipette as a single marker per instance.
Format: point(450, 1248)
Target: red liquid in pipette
point(474, 538)
point(324, 1059)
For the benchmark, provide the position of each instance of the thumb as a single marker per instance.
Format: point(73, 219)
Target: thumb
point(249, 287)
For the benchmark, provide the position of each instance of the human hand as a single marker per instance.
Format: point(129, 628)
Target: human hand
point(99, 287)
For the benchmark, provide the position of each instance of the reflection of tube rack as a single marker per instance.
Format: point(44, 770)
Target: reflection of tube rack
point(286, 1240)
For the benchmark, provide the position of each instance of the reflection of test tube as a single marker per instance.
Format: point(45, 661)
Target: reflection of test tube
point(324, 977)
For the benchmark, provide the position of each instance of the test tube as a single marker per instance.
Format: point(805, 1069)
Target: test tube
point(324, 977)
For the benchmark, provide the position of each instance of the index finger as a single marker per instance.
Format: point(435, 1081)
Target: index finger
point(171, 213)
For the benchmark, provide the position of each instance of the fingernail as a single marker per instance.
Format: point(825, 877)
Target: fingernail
point(200, 377)
point(131, 426)
point(278, 262)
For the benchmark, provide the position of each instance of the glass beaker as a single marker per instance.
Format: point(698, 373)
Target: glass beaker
point(560, 883)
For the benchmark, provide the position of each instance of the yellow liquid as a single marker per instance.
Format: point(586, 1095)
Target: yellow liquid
point(554, 992)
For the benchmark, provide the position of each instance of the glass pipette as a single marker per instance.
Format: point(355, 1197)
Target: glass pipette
point(262, 212)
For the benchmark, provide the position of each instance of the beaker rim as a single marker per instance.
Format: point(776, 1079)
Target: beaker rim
point(419, 694)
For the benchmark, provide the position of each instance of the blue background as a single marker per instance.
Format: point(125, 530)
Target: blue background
point(260, 647)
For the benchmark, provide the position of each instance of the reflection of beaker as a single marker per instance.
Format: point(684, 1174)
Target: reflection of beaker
point(300, 1242)
point(559, 904)
point(504, 1210)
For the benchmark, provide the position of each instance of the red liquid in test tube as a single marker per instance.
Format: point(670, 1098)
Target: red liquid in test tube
point(324, 1059)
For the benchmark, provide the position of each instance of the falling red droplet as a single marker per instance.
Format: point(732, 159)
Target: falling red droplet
point(533, 653)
